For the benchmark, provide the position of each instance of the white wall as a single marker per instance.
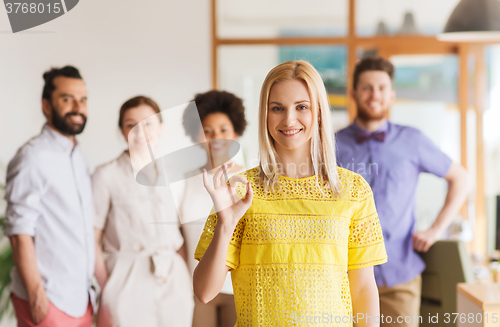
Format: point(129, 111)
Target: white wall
point(122, 47)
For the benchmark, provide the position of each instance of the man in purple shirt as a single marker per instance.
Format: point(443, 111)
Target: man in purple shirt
point(390, 157)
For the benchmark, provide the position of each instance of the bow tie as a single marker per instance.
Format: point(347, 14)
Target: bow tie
point(362, 137)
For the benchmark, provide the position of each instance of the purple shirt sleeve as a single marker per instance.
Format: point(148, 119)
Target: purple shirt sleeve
point(431, 158)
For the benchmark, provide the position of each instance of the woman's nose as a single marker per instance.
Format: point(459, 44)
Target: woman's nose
point(289, 118)
point(216, 135)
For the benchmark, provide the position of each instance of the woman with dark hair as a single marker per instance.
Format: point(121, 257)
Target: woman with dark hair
point(144, 279)
point(222, 116)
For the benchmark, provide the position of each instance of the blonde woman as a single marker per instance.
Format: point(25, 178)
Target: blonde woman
point(302, 240)
point(144, 279)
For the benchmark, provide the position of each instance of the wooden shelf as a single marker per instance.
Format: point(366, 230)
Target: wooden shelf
point(485, 296)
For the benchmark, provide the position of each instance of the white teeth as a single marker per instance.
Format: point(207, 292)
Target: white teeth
point(295, 131)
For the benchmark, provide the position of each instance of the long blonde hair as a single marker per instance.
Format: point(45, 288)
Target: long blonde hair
point(322, 142)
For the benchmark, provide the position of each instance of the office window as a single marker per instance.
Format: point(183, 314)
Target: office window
point(281, 18)
point(381, 17)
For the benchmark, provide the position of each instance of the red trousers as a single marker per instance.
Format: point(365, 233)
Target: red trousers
point(54, 318)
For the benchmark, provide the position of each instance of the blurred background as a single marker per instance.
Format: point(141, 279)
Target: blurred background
point(172, 50)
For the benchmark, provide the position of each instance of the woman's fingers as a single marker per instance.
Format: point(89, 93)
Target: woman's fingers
point(237, 179)
point(223, 180)
point(221, 173)
point(233, 183)
point(206, 183)
point(217, 178)
point(249, 195)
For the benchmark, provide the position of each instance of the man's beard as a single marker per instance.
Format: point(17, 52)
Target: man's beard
point(62, 126)
point(366, 115)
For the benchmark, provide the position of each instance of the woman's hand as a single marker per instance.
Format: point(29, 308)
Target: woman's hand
point(100, 271)
point(228, 205)
point(211, 272)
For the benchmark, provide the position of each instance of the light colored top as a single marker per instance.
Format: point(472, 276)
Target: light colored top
point(195, 209)
point(149, 282)
point(290, 252)
point(133, 217)
point(49, 197)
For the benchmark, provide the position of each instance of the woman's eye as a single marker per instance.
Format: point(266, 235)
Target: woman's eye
point(207, 132)
point(302, 107)
point(276, 109)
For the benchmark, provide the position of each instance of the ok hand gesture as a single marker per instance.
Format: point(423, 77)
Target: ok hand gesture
point(228, 205)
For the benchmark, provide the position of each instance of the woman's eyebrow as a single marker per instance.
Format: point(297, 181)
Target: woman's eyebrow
point(279, 103)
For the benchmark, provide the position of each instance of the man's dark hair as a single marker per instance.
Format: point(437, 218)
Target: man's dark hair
point(49, 87)
point(212, 102)
point(371, 64)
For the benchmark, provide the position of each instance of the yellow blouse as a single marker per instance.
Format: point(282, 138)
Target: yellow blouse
point(290, 252)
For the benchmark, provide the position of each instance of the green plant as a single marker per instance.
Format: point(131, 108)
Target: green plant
point(6, 264)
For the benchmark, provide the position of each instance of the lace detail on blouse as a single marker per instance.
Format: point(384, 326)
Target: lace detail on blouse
point(291, 251)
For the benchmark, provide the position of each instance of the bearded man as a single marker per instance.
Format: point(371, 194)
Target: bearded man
point(390, 157)
point(50, 213)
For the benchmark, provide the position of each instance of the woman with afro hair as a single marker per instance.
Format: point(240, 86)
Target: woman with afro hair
point(222, 117)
